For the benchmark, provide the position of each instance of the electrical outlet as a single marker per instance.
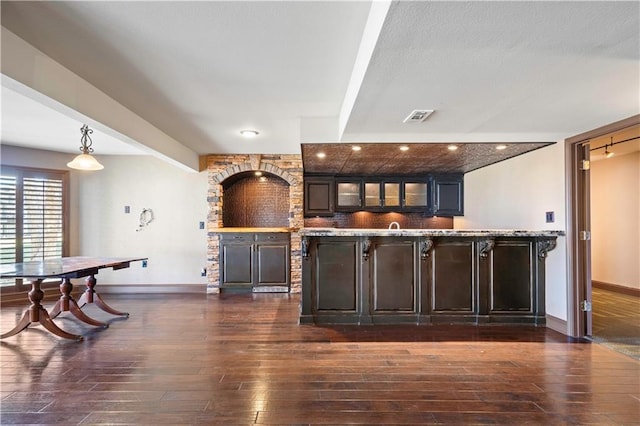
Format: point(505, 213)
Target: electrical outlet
point(127, 209)
point(550, 217)
point(144, 263)
point(201, 225)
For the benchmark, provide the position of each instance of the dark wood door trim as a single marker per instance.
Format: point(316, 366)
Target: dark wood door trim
point(578, 219)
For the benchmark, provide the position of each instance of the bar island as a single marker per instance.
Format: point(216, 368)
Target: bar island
point(424, 276)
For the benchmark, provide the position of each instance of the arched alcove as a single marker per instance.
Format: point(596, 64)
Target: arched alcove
point(255, 201)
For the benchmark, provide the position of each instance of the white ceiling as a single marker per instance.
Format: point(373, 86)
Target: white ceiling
point(202, 71)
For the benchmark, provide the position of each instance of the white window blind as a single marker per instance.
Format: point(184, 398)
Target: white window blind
point(42, 219)
point(8, 217)
point(32, 216)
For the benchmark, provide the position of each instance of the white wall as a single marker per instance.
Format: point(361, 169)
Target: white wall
point(615, 220)
point(515, 194)
point(173, 242)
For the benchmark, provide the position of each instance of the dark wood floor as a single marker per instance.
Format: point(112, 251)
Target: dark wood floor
point(197, 359)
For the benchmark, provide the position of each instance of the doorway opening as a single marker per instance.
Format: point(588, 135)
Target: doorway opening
point(583, 318)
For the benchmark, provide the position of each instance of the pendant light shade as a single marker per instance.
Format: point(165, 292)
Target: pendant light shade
point(85, 161)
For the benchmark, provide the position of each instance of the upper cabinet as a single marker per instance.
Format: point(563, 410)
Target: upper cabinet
point(439, 195)
point(348, 195)
point(319, 196)
point(448, 195)
point(415, 195)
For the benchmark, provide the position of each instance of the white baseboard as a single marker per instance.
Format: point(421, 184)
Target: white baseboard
point(557, 324)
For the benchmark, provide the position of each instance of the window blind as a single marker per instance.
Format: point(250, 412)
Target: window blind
point(8, 220)
point(42, 219)
point(32, 216)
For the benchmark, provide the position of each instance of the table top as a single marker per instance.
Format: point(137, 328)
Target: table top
point(65, 267)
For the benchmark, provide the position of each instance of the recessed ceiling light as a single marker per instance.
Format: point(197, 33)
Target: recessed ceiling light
point(321, 155)
point(356, 148)
point(404, 148)
point(501, 147)
point(452, 147)
point(249, 133)
point(258, 173)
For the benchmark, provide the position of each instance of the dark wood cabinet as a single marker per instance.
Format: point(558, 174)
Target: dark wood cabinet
point(394, 280)
point(382, 194)
point(348, 194)
point(452, 278)
point(253, 261)
point(389, 280)
point(319, 196)
point(337, 268)
point(448, 195)
point(236, 264)
point(511, 274)
point(415, 195)
point(440, 195)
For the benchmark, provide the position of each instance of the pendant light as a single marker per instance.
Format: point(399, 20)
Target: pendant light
point(85, 161)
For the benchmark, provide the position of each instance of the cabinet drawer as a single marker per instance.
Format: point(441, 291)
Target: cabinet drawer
point(272, 236)
point(237, 236)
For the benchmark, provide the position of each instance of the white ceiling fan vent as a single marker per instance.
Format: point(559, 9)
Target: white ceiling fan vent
point(418, 115)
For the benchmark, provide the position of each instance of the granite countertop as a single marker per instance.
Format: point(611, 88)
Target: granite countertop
point(368, 232)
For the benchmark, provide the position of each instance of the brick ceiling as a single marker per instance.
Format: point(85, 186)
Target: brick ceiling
point(420, 158)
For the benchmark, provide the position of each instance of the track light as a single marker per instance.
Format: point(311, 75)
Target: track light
point(607, 153)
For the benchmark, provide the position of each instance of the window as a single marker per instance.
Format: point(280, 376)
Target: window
point(32, 217)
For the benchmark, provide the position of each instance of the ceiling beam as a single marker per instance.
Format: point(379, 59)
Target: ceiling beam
point(32, 73)
point(375, 21)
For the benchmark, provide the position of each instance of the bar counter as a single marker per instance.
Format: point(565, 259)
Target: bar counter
point(424, 276)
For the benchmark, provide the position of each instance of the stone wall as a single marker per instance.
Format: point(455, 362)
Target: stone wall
point(221, 167)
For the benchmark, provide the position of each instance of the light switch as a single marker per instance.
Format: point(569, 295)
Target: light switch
point(550, 217)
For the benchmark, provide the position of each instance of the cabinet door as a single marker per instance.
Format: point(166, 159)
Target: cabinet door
point(318, 197)
point(349, 195)
point(416, 195)
point(236, 263)
point(512, 285)
point(394, 276)
point(452, 277)
point(448, 195)
point(391, 194)
point(335, 276)
point(272, 264)
point(372, 195)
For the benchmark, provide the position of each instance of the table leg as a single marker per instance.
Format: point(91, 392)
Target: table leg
point(37, 313)
point(68, 303)
point(91, 296)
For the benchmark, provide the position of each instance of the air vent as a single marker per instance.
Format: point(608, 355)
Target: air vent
point(418, 115)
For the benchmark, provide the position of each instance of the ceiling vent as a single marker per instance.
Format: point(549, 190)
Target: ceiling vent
point(418, 115)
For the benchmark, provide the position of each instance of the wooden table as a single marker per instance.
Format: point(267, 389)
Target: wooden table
point(64, 268)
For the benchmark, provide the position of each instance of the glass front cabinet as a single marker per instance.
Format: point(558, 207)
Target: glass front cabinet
point(348, 195)
point(382, 195)
point(416, 195)
point(433, 194)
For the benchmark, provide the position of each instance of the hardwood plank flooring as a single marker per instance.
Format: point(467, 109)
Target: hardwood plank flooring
point(616, 321)
point(243, 359)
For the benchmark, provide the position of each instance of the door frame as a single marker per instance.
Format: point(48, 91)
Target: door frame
point(578, 219)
